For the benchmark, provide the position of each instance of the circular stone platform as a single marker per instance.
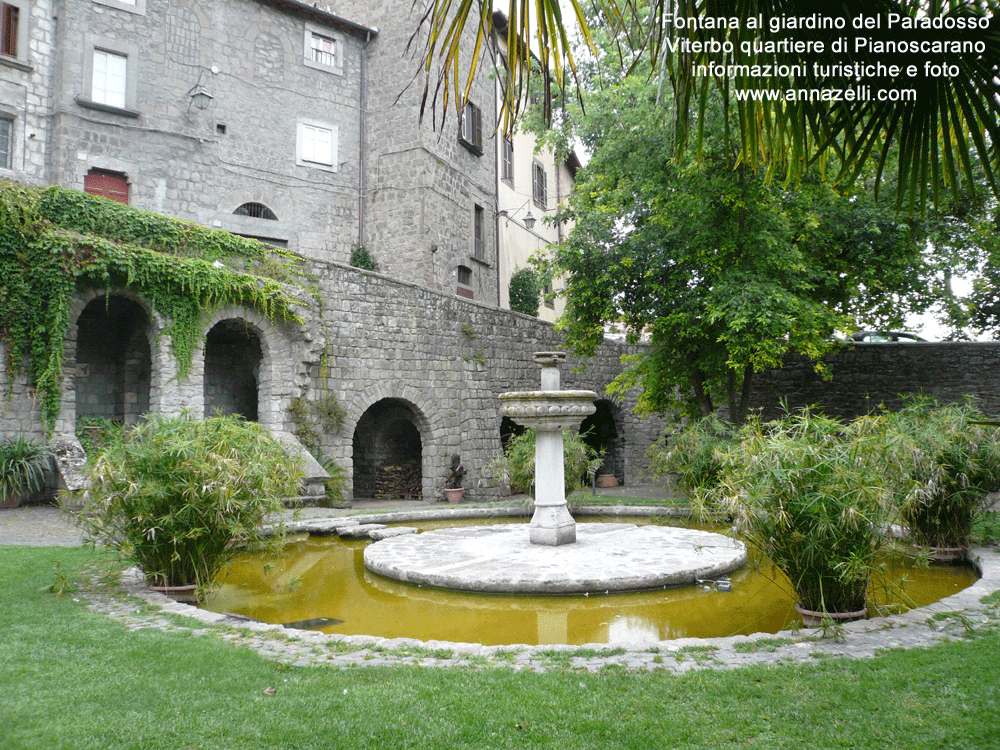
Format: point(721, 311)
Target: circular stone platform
point(605, 557)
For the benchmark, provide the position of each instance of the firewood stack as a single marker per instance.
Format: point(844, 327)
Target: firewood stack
point(400, 482)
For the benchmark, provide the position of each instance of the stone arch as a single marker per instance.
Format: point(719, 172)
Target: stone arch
point(110, 358)
point(280, 369)
point(605, 430)
point(425, 417)
point(233, 356)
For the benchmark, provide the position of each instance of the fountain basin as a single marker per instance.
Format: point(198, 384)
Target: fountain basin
point(606, 557)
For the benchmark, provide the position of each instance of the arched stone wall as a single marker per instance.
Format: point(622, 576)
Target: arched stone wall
point(427, 419)
point(66, 422)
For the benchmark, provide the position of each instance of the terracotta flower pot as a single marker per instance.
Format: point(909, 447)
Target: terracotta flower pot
point(811, 619)
point(607, 480)
point(454, 495)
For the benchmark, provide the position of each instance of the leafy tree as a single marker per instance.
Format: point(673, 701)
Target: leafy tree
point(725, 272)
point(933, 140)
point(524, 291)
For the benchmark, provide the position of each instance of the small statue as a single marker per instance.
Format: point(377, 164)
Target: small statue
point(454, 480)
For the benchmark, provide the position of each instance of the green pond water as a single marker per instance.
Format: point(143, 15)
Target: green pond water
point(324, 579)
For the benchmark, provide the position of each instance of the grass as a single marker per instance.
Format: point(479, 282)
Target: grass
point(76, 679)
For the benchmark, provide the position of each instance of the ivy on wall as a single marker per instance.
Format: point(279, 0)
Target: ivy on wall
point(56, 242)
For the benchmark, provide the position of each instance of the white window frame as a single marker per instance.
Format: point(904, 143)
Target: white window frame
point(304, 156)
point(121, 50)
point(21, 53)
point(129, 6)
point(109, 78)
point(313, 30)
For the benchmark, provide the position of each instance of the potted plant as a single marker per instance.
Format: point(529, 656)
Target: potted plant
point(453, 485)
point(800, 492)
point(24, 470)
point(951, 463)
point(181, 498)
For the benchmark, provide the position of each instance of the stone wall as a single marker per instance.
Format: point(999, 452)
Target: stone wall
point(380, 347)
point(868, 374)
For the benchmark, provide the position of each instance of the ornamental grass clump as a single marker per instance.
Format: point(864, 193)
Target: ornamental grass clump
point(801, 491)
point(24, 468)
point(181, 498)
point(516, 465)
point(952, 463)
point(691, 458)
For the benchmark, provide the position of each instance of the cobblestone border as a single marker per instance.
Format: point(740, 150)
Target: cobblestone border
point(958, 615)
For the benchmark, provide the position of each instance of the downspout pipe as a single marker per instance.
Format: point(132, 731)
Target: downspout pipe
point(362, 107)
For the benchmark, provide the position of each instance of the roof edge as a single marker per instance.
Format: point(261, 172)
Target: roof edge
point(325, 15)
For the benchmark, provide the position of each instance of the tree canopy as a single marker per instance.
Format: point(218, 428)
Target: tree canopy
point(724, 271)
point(935, 136)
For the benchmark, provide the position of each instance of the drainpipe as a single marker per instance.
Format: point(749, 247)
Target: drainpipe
point(361, 139)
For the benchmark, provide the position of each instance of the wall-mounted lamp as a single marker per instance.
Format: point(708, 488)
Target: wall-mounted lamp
point(200, 96)
point(528, 220)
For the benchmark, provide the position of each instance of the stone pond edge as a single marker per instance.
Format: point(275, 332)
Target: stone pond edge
point(923, 626)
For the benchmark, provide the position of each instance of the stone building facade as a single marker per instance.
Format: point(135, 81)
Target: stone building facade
point(275, 153)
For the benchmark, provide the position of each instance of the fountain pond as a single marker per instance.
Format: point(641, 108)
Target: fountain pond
point(321, 583)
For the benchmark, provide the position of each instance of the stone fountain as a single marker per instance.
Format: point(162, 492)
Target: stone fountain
point(552, 554)
point(549, 412)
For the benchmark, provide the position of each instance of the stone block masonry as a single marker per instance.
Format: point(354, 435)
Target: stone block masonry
point(416, 370)
point(866, 375)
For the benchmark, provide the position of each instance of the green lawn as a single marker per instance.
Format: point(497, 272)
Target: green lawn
point(76, 679)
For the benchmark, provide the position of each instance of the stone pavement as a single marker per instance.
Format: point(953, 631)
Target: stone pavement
point(961, 614)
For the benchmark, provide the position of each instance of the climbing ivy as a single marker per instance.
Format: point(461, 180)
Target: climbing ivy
point(56, 242)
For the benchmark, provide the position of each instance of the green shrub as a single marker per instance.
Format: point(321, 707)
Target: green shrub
point(691, 458)
point(97, 434)
point(524, 291)
point(24, 468)
point(180, 498)
point(949, 460)
point(336, 484)
point(362, 258)
point(802, 492)
point(516, 467)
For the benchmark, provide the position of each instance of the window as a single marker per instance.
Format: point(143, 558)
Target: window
point(14, 31)
point(256, 211)
point(549, 296)
point(130, 6)
point(109, 78)
point(471, 130)
point(6, 143)
point(317, 145)
point(539, 185)
point(11, 22)
point(112, 185)
point(507, 160)
point(479, 232)
point(323, 49)
point(465, 283)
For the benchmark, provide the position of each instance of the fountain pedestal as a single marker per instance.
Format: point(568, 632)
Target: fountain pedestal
point(549, 412)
